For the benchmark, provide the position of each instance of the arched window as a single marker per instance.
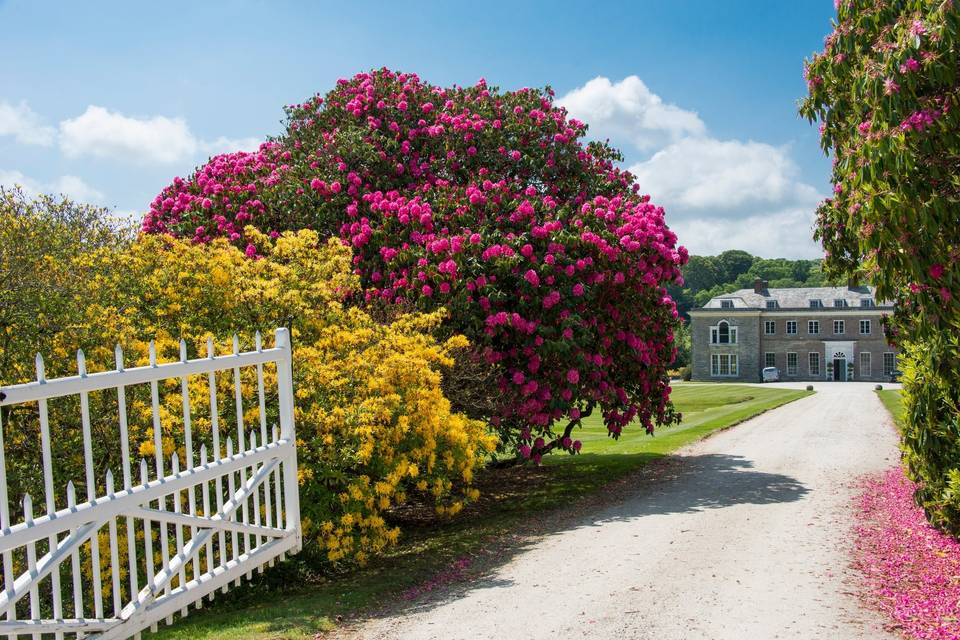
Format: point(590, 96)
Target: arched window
point(723, 333)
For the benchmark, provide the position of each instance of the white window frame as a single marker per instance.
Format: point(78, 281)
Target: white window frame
point(772, 304)
point(892, 356)
point(816, 325)
point(842, 325)
point(766, 359)
point(767, 325)
point(816, 303)
point(840, 303)
point(731, 333)
point(716, 365)
point(813, 363)
point(726, 304)
point(787, 328)
point(867, 303)
point(792, 369)
point(866, 364)
point(869, 326)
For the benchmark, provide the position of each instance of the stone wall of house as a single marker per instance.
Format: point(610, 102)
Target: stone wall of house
point(747, 347)
point(804, 342)
point(754, 343)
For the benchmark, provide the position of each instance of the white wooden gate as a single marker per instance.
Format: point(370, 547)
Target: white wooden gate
point(179, 531)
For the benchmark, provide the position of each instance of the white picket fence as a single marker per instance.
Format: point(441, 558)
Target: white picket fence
point(215, 517)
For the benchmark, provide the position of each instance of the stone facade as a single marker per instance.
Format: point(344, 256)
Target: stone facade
point(736, 335)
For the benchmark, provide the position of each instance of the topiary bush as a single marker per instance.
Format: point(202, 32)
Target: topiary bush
point(488, 203)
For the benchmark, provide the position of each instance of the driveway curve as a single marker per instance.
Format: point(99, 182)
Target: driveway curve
point(744, 535)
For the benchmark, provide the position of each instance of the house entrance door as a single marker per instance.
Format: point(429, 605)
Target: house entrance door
point(840, 369)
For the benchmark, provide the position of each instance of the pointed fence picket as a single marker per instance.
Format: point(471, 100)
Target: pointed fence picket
point(175, 531)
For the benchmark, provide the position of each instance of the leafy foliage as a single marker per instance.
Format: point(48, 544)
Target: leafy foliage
point(705, 277)
point(485, 203)
point(885, 93)
point(373, 426)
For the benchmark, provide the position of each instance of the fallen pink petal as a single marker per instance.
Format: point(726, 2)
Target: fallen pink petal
point(911, 570)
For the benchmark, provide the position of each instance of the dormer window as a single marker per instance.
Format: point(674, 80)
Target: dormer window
point(723, 333)
point(839, 303)
point(816, 304)
point(867, 303)
point(771, 304)
point(726, 304)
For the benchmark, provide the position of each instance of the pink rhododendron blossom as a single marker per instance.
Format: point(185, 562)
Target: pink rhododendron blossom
point(488, 203)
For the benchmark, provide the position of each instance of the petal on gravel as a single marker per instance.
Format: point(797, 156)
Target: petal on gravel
point(912, 571)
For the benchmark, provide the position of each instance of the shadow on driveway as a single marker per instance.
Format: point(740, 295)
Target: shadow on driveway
point(668, 485)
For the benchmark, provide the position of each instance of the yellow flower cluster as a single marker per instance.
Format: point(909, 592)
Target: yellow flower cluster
point(373, 426)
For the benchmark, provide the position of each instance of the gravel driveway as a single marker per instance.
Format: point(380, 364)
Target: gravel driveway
point(745, 536)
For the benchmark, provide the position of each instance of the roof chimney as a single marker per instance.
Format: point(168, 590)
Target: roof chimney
point(759, 286)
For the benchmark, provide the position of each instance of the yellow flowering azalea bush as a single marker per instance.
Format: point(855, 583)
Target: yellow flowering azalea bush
point(373, 426)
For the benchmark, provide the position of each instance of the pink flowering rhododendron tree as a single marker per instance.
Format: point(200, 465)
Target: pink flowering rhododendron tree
point(488, 203)
point(885, 90)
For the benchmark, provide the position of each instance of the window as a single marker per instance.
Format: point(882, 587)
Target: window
point(769, 327)
point(769, 359)
point(791, 364)
point(838, 327)
point(840, 303)
point(867, 303)
point(889, 363)
point(814, 363)
point(791, 327)
point(723, 333)
point(864, 327)
point(771, 304)
point(726, 304)
point(724, 364)
point(865, 364)
point(813, 327)
point(816, 304)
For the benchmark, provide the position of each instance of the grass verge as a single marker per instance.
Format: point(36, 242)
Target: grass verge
point(435, 552)
point(892, 399)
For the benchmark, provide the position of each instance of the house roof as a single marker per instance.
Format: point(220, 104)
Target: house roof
point(797, 297)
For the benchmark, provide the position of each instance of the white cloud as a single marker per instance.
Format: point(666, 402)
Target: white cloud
point(99, 132)
point(723, 177)
point(229, 145)
point(68, 185)
point(718, 194)
point(102, 133)
point(778, 234)
point(629, 112)
point(25, 126)
point(76, 188)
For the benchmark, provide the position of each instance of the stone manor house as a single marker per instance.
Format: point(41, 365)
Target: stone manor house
point(815, 333)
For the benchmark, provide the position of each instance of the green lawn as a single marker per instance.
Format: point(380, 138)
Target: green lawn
point(513, 502)
point(893, 400)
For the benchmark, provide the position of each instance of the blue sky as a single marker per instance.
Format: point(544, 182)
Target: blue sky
point(108, 101)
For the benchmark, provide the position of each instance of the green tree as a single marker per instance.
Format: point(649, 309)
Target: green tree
point(732, 263)
point(885, 91)
point(38, 240)
point(701, 272)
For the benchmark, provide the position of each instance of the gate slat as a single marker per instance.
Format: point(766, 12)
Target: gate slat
point(91, 482)
point(5, 521)
point(260, 529)
point(48, 490)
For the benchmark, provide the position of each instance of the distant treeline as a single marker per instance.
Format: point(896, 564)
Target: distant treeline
point(709, 276)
